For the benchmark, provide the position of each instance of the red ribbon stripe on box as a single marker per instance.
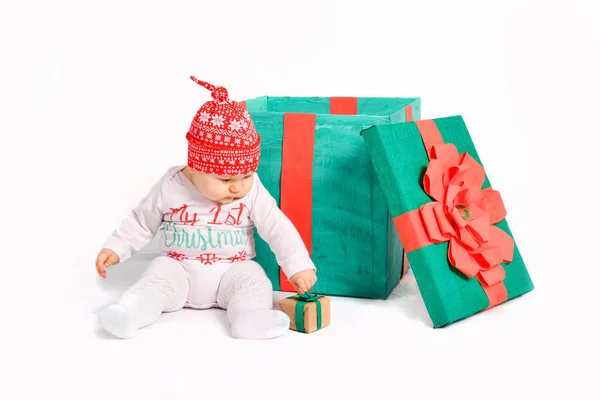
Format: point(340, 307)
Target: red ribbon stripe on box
point(343, 105)
point(296, 178)
point(408, 112)
point(296, 170)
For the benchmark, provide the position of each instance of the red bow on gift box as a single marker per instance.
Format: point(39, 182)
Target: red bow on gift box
point(463, 214)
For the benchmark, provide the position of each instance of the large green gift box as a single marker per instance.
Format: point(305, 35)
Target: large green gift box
point(315, 164)
point(450, 221)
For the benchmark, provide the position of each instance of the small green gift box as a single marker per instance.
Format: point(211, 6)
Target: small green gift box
point(450, 221)
point(315, 164)
point(308, 312)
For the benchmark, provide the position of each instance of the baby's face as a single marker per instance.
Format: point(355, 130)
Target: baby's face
point(222, 189)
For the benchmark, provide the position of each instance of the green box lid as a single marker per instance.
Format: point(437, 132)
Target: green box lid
point(400, 161)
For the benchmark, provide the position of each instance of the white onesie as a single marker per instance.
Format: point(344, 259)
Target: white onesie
point(202, 240)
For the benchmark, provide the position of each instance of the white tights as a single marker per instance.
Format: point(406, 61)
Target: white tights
point(242, 288)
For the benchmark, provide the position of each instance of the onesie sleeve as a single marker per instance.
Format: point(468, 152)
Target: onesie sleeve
point(277, 230)
point(141, 224)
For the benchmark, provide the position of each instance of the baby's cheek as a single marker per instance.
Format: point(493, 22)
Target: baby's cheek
point(215, 191)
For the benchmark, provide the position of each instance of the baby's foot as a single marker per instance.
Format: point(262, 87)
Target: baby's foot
point(115, 320)
point(261, 324)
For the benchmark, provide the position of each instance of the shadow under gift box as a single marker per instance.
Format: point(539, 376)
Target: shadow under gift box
point(315, 164)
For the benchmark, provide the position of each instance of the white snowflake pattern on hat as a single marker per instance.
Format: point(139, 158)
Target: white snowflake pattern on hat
point(204, 117)
point(235, 125)
point(218, 120)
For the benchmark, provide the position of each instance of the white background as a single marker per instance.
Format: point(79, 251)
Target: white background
point(95, 101)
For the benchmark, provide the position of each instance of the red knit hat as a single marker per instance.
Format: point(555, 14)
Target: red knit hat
point(222, 139)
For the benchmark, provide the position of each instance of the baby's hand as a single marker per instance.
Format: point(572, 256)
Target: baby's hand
point(303, 281)
point(105, 258)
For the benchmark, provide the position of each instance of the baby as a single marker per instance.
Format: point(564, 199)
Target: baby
point(206, 212)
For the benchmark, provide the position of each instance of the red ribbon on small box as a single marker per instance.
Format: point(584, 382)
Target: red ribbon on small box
point(462, 214)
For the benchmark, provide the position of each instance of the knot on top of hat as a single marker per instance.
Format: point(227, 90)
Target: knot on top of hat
point(218, 93)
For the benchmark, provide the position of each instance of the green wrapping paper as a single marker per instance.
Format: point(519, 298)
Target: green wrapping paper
point(401, 158)
point(315, 144)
